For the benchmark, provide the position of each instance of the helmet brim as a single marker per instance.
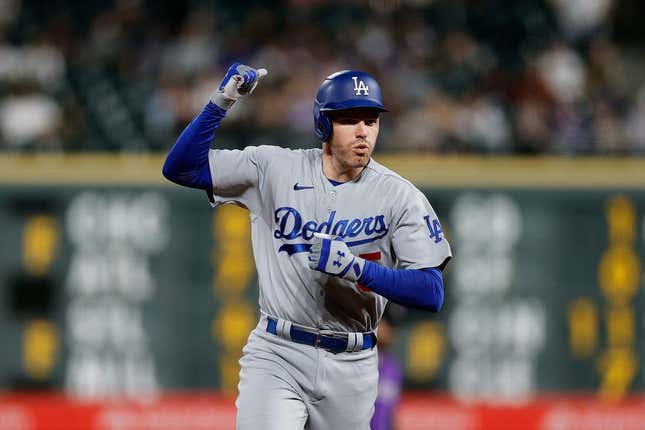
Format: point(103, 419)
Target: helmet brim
point(353, 104)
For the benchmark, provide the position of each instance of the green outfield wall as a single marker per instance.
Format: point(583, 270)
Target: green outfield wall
point(115, 281)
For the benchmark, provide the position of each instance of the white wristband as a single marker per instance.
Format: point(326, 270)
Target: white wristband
point(221, 100)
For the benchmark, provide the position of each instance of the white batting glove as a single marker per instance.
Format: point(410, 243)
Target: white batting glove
point(333, 257)
point(239, 81)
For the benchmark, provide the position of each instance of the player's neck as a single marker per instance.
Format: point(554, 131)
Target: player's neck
point(336, 171)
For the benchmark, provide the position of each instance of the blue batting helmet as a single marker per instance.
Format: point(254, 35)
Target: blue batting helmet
point(347, 89)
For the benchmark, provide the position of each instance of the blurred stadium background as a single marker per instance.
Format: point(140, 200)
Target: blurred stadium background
point(125, 301)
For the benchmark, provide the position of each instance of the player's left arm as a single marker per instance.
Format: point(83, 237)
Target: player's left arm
point(419, 245)
point(422, 288)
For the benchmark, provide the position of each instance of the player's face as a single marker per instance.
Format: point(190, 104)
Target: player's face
point(354, 137)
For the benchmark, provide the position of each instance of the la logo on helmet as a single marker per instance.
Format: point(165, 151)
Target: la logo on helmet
point(360, 86)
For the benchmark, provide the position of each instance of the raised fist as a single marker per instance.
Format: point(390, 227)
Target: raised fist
point(239, 81)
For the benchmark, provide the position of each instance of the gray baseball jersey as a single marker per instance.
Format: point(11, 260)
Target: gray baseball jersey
point(380, 216)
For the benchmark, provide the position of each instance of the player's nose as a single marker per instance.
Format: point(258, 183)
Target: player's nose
point(360, 129)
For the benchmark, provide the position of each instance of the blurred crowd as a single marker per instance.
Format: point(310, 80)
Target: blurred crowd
point(483, 76)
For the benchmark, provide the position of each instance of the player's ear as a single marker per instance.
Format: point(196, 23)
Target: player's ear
point(331, 134)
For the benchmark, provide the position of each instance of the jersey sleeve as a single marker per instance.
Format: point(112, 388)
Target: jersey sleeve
point(237, 175)
point(418, 239)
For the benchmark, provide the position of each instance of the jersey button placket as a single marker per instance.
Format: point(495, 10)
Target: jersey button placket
point(331, 202)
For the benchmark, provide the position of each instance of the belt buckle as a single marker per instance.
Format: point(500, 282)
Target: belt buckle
point(321, 333)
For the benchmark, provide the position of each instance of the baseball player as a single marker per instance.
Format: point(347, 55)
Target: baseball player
point(335, 235)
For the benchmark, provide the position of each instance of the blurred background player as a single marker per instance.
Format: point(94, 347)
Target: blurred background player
point(390, 383)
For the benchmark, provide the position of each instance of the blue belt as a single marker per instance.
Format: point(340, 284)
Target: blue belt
point(319, 340)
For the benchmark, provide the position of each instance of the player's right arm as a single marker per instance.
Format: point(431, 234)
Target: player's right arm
point(187, 162)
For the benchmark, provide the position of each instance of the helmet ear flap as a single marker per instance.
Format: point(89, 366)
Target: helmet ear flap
point(322, 124)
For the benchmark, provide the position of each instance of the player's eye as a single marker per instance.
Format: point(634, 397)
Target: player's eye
point(353, 121)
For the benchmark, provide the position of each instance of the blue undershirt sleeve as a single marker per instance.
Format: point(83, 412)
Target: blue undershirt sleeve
point(187, 161)
point(420, 288)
